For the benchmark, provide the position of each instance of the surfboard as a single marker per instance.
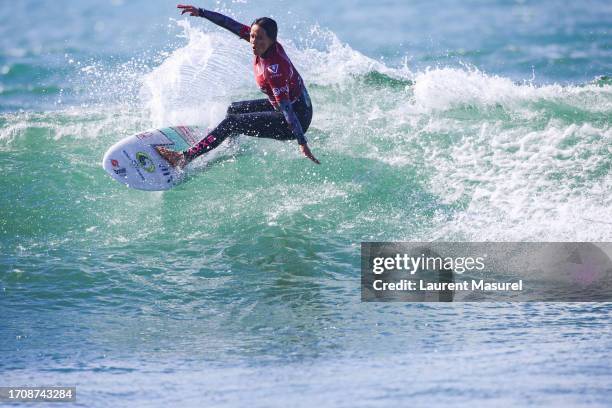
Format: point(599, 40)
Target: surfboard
point(133, 161)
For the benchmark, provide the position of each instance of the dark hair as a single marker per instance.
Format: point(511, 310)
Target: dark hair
point(268, 25)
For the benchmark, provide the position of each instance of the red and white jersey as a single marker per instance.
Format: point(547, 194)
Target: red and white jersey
point(277, 77)
point(275, 74)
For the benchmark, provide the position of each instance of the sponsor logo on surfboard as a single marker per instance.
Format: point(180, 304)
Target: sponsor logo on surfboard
point(273, 68)
point(145, 162)
point(134, 163)
point(120, 172)
point(114, 163)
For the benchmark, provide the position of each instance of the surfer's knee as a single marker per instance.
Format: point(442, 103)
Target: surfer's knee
point(232, 123)
point(233, 108)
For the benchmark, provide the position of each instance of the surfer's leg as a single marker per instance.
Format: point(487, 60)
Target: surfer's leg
point(253, 118)
point(259, 124)
point(268, 123)
point(271, 125)
point(255, 105)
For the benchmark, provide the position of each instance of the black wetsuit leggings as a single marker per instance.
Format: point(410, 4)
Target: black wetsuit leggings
point(253, 118)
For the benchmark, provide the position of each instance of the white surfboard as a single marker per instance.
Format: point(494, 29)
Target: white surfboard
point(134, 161)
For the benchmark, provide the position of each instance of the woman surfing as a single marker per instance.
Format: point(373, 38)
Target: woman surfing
point(286, 112)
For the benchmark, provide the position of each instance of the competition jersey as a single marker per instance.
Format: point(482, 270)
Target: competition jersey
point(275, 74)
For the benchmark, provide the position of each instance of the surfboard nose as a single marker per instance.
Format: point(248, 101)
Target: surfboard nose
point(134, 162)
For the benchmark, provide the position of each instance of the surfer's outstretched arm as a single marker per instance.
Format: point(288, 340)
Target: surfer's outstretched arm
point(226, 22)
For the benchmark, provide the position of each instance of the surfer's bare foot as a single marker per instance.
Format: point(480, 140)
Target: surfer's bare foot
point(176, 159)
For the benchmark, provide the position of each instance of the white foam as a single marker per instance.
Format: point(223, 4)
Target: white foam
point(521, 184)
point(447, 88)
point(332, 62)
point(92, 125)
point(193, 85)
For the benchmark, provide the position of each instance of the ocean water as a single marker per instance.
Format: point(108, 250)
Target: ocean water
point(448, 120)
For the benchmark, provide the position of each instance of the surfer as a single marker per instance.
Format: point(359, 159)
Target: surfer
point(284, 115)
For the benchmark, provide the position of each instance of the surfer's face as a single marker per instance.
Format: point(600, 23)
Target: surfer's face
point(260, 41)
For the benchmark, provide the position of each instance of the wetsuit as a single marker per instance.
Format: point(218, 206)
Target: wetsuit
point(287, 112)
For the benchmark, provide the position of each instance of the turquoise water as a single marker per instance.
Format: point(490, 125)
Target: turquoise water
point(454, 121)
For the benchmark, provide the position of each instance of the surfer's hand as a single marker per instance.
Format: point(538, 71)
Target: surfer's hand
point(192, 10)
point(306, 152)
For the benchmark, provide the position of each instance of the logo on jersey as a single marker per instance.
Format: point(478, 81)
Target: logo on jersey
point(273, 68)
point(278, 91)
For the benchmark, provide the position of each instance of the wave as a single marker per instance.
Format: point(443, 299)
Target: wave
point(444, 153)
